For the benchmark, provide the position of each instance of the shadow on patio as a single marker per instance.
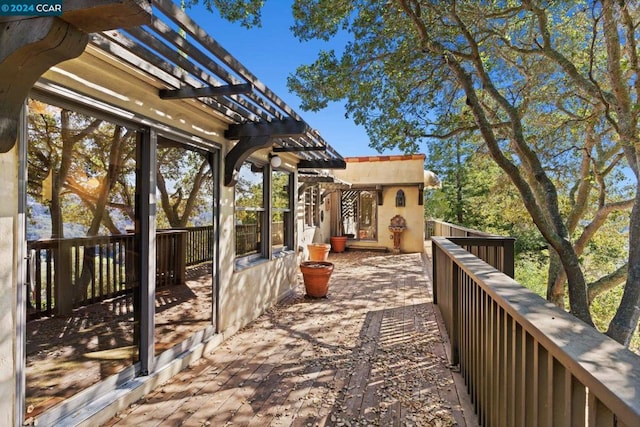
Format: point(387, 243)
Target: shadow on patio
point(372, 353)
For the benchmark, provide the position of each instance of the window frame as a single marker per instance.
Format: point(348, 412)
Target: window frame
point(312, 206)
point(266, 250)
point(261, 212)
point(287, 217)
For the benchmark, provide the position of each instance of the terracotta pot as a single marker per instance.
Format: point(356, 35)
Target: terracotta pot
point(338, 243)
point(316, 275)
point(319, 251)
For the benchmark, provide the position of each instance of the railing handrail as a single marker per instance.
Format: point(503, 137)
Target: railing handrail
point(470, 232)
point(73, 240)
point(610, 371)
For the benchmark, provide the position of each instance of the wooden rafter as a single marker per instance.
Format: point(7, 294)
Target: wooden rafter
point(273, 129)
point(292, 149)
point(204, 92)
point(322, 164)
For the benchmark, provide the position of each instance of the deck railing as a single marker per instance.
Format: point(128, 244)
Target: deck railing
point(526, 362)
point(497, 251)
point(248, 235)
point(440, 228)
point(94, 269)
point(200, 244)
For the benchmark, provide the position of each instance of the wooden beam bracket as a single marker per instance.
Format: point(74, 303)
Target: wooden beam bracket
point(241, 152)
point(29, 48)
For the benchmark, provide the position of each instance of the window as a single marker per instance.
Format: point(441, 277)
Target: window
point(400, 199)
point(84, 236)
point(249, 206)
point(311, 206)
point(281, 229)
point(359, 214)
point(185, 179)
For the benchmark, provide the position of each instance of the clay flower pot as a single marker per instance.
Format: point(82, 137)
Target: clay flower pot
point(316, 275)
point(338, 243)
point(318, 251)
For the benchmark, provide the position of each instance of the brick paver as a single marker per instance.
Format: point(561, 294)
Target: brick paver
point(370, 354)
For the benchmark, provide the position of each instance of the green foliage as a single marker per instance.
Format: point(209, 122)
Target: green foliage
point(603, 308)
point(185, 187)
point(246, 12)
point(531, 273)
point(73, 159)
point(280, 190)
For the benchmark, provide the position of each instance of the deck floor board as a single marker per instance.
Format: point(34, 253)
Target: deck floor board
point(370, 354)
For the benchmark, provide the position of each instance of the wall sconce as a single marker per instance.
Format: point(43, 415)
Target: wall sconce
point(275, 160)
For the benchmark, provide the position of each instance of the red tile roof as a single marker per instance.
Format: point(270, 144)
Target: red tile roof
point(385, 158)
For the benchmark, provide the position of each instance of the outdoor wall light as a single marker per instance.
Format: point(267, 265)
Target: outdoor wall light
point(275, 160)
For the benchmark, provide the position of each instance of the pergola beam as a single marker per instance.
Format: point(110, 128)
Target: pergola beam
point(204, 92)
point(315, 178)
point(274, 129)
point(298, 149)
point(92, 16)
point(322, 164)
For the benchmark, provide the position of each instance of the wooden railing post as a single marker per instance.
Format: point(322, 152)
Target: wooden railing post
point(509, 257)
point(181, 255)
point(455, 314)
point(63, 285)
point(434, 272)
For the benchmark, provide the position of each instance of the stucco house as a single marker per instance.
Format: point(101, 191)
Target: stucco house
point(361, 201)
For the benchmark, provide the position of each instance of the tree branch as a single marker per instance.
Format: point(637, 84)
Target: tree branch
point(607, 282)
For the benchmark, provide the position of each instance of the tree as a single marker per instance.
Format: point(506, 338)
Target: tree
point(416, 72)
point(185, 184)
point(80, 168)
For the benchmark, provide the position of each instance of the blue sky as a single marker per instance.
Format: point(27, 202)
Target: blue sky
point(271, 53)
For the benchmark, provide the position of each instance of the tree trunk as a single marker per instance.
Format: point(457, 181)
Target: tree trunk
point(555, 287)
point(459, 209)
point(624, 322)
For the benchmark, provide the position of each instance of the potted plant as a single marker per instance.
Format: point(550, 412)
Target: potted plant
point(339, 241)
point(318, 251)
point(316, 275)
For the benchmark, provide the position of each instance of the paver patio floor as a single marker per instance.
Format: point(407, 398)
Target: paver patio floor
point(371, 353)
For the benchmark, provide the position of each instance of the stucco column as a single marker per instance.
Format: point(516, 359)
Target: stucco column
point(8, 281)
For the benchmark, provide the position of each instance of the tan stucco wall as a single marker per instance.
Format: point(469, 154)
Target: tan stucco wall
point(383, 170)
point(248, 292)
point(254, 289)
point(392, 173)
point(8, 282)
